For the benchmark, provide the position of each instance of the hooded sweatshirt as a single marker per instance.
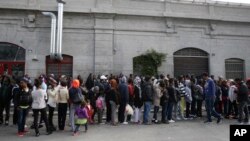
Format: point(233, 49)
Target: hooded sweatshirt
point(123, 90)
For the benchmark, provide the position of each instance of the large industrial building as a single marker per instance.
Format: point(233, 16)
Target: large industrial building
point(103, 36)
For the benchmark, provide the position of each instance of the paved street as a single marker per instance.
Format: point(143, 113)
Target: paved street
point(194, 130)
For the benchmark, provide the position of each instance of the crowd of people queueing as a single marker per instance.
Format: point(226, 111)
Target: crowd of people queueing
point(178, 98)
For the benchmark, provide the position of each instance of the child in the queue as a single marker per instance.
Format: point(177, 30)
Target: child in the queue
point(82, 118)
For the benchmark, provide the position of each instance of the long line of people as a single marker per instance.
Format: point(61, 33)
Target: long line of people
point(178, 99)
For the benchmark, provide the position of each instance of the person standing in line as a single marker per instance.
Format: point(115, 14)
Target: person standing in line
point(131, 91)
point(52, 91)
point(39, 105)
point(23, 100)
point(164, 102)
point(200, 96)
point(138, 101)
point(183, 93)
point(15, 91)
point(225, 99)
point(113, 99)
point(62, 98)
point(242, 98)
point(124, 99)
point(5, 100)
point(172, 99)
point(232, 105)
point(209, 91)
point(147, 94)
point(73, 94)
point(157, 98)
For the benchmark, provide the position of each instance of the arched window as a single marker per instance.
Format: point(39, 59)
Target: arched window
point(64, 67)
point(190, 61)
point(12, 59)
point(234, 68)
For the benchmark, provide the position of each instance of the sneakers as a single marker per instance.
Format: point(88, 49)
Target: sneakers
point(219, 120)
point(171, 121)
point(20, 134)
point(125, 123)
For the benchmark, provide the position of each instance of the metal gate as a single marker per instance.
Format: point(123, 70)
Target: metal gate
point(58, 68)
point(190, 61)
point(234, 68)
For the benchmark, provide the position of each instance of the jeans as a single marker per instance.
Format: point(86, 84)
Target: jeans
point(22, 114)
point(243, 108)
point(62, 112)
point(210, 108)
point(72, 115)
point(164, 112)
point(156, 110)
point(78, 126)
point(43, 116)
point(51, 114)
point(147, 108)
point(113, 111)
point(6, 107)
point(170, 110)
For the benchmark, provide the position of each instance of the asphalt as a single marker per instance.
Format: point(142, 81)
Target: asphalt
point(190, 130)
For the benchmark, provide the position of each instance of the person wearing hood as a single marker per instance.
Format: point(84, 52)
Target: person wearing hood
point(157, 97)
point(5, 99)
point(232, 99)
point(138, 101)
point(124, 99)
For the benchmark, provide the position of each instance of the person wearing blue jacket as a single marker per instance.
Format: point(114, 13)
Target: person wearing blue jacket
point(124, 98)
point(209, 92)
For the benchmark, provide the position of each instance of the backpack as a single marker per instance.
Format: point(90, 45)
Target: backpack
point(78, 97)
point(25, 98)
point(99, 103)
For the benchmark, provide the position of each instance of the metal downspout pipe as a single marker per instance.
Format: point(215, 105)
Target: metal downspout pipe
point(52, 34)
point(58, 53)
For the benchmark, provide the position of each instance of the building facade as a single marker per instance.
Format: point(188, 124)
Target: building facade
point(103, 36)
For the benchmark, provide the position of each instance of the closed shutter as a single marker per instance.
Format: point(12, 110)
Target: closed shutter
point(190, 61)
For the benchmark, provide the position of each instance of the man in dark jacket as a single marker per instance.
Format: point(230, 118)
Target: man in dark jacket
point(242, 98)
point(5, 99)
point(124, 99)
point(147, 94)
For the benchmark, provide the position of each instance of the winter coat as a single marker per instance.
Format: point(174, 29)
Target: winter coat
point(157, 95)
